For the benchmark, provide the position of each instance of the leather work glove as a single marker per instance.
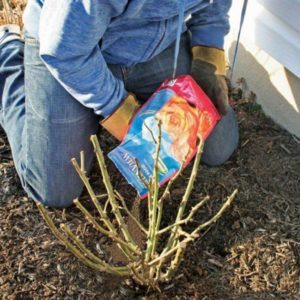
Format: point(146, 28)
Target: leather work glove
point(208, 70)
point(117, 123)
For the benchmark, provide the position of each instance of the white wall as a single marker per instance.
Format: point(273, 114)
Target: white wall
point(269, 56)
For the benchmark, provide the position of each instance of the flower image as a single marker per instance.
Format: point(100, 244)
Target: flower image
point(205, 124)
point(183, 123)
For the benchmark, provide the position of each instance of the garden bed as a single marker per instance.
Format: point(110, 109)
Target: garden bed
point(253, 252)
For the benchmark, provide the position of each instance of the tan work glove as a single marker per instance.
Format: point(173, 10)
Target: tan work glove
point(208, 70)
point(117, 123)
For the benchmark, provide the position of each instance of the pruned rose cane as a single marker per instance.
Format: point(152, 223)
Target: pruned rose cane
point(143, 262)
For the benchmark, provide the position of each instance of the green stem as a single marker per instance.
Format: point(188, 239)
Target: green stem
point(185, 198)
point(166, 192)
point(157, 209)
point(121, 198)
point(121, 271)
point(151, 245)
point(194, 234)
point(102, 212)
point(65, 241)
point(128, 248)
point(175, 263)
point(82, 161)
point(140, 175)
point(93, 196)
point(189, 218)
point(110, 191)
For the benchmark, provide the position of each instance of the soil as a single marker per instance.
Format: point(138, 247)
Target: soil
point(252, 252)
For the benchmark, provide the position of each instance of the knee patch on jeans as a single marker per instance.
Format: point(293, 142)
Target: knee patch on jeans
point(55, 198)
point(223, 141)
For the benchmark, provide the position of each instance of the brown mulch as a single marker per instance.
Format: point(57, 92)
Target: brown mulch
point(253, 252)
point(15, 14)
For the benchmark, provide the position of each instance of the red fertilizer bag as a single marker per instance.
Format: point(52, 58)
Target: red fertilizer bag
point(185, 113)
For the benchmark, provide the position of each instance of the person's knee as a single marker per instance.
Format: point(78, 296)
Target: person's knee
point(222, 142)
point(219, 157)
point(56, 194)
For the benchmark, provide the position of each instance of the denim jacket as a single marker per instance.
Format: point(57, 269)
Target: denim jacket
point(78, 38)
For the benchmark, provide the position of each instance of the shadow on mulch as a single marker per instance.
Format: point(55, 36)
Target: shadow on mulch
point(253, 252)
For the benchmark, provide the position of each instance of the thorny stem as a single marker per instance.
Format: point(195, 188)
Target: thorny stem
point(189, 218)
point(69, 245)
point(166, 192)
point(110, 191)
point(116, 270)
point(175, 263)
point(82, 162)
point(161, 201)
point(110, 234)
point(155, 185)
point(93, 196)
point(194, 234)
point(185, 198)
point(103, 215)
point(121, 198)
point(140, 175)
point(157, 207)
point(145, 266)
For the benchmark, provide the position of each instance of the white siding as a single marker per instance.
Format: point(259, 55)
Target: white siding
point(274, 26)
point(287, 10)
point(269, 56)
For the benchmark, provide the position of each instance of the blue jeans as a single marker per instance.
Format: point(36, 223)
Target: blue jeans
point(48, 127)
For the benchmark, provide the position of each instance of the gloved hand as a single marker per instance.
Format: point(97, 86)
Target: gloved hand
point(208, 70)
point(118, 122)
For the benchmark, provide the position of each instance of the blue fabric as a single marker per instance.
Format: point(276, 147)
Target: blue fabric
point(129, 32)
point(48, 126)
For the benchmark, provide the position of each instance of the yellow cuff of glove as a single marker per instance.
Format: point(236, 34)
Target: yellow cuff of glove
point(213, 56)
point(118, 122)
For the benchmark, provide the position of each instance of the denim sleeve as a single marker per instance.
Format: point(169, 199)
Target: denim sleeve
point(210, 25)
point(70, 32)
